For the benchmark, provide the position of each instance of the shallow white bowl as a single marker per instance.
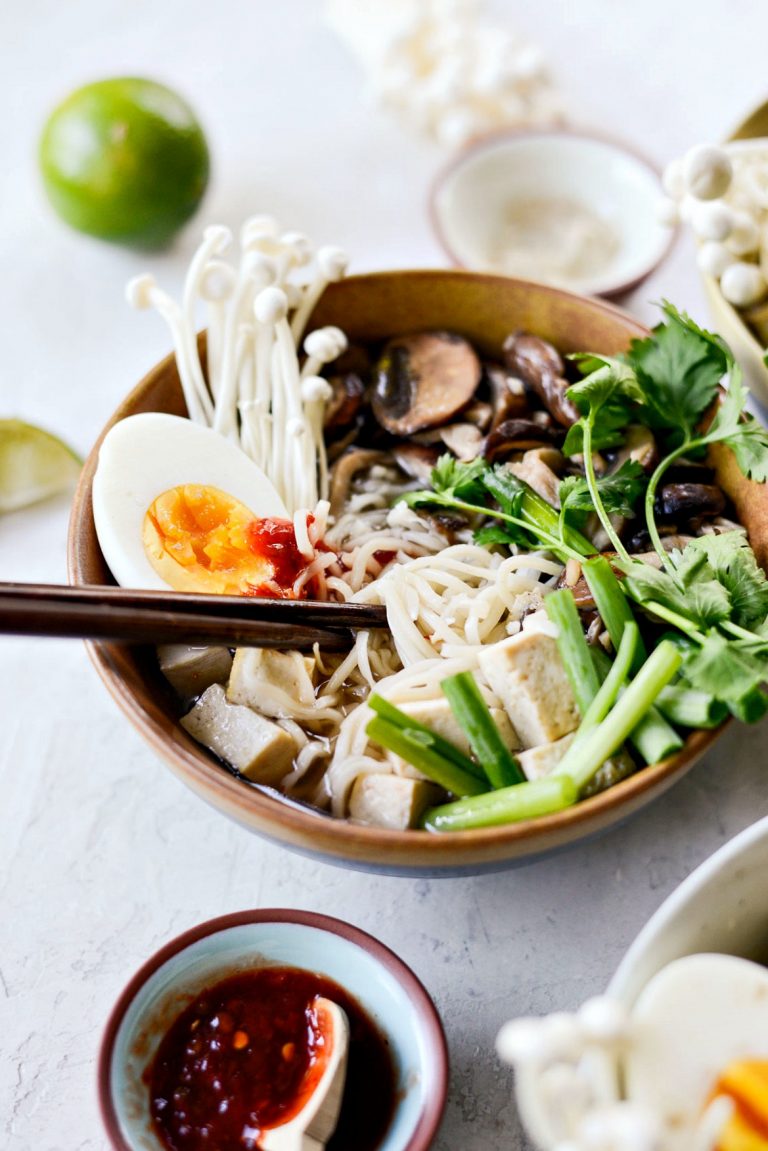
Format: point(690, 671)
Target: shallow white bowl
point(471, 198)
point(721, 907)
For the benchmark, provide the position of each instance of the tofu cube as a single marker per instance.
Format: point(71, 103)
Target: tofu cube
point(391, 801)
point(260, 676)
point(537, 762)
point(528, 676)
point(256, 746)
point(190, 670)
point(436, 714)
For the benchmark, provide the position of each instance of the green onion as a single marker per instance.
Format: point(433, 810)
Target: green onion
point(474, 718)
point(614, 680)
point(689, 708)
point(585, 756)
point(542, 515)
point(508, 805)
point(654, 738)
point(573, 647)
point(442, 746)
point(417, 747)
point(751, 707)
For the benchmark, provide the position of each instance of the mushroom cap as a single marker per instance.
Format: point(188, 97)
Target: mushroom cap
point(708, 172)
point(424, 380)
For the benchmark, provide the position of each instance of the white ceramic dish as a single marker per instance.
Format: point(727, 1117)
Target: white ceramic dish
point(472, 198)
point(388, 991)
point(721, 907)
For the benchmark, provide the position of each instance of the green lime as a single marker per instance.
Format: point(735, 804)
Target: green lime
point(33, 465)
point(125, 160)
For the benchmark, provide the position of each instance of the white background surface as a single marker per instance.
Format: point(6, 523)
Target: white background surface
point(103, 855)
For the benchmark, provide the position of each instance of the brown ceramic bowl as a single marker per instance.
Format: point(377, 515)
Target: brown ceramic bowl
point(485, 309)
point(381, 984)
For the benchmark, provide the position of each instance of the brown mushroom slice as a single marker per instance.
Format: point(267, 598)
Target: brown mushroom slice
point(424, 380)
point(539, 469)
point(640, 446)
point(684, 501)
point(541, 368)
point(416, 460)
point(508, 398)
point(341, 411)
point(344, 471)
point(518, 436)
point(464, 440)
point(478, 413)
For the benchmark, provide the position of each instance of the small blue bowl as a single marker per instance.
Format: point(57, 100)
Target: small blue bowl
point(381, 983)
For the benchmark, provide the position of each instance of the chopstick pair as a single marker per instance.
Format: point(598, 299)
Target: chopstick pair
point(120, 615)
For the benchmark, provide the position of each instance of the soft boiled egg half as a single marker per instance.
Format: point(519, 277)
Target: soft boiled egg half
point(173, 505)
point(699, 1040)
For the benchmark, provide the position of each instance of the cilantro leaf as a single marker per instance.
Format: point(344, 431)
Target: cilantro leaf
point(735, 566)
point(606, 379)
point(618, 491)
point(679, 367)
point(724, 669)
point(464, 481)
point(506, 534)
point(747, 439)
point(609, 432)
point(696, 595)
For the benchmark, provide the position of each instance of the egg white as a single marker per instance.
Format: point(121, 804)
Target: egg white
point(145, 455)
point(692, 1019)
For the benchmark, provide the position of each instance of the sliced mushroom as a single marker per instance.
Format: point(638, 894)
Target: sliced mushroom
point(684, 501)
point(539, 469)
point(464, 440)
point(541, 368)
point(518, 436)
point(416, 460)
point(639, 445)
point(344, 471)
point(508, 398)
point(423, 381)
point(478, 413)
point(345, 403)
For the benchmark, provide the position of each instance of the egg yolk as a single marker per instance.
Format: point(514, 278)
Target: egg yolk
point(746, 1083)
point(196, 538)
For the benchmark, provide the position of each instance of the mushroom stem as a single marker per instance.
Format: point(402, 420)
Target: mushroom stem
point(331, 266)
point(215, 241)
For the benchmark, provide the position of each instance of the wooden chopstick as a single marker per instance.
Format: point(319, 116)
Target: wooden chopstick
point(121, 615)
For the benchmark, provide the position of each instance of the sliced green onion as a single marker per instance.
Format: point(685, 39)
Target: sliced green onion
point(508, 805)
point(614, 680)
point(474, 717)
point(417, 747)
point(689, 708)
point(442, 746)
point(573, 647)
point(585, 756)
point(611, 603)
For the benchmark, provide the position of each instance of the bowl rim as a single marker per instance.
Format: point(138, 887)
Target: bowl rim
point(703, 876)
point(436, 1065)
point(337, 840)
point(488, 140)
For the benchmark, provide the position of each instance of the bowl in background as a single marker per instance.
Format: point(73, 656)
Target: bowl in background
point(552, 170)
point(485, 309)
point(385, 988)
point(721, 907)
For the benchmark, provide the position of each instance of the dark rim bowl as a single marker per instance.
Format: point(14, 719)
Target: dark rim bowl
point(608, 288)
point(388, 989)
point(371, 307)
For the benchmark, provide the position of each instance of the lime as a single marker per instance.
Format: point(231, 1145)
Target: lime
point(33, 465)
point(125, 160)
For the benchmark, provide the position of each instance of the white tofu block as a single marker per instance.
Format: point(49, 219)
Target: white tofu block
point(190, 670)
point(391, 801)
point(256, 746)
point(436, 714)
point(528, 676)
point(537, 762)
point(261, 676)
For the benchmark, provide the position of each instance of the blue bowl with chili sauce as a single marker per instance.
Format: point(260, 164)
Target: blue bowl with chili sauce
point(392, 1018)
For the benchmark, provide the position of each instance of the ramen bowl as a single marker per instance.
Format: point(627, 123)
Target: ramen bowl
point(485, 309)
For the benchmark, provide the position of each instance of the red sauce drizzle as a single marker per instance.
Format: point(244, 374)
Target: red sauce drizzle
point(231, 1064)
point(274, 540)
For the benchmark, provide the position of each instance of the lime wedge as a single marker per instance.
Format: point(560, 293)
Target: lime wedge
point(33, 465)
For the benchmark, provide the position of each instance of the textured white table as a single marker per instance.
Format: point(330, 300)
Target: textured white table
point(103, 854)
